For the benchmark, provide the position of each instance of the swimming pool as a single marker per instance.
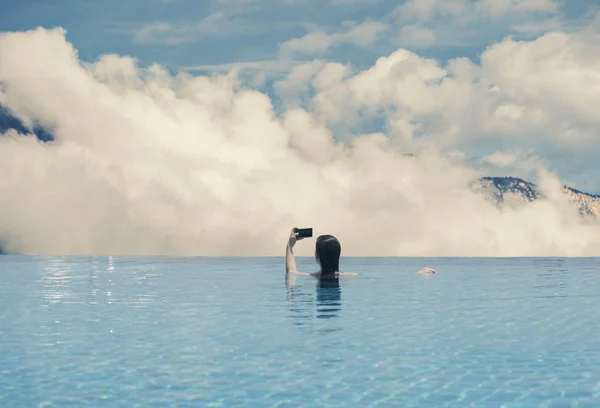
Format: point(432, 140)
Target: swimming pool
point(189, 332)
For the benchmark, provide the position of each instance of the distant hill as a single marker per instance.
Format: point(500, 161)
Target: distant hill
point(497, 189)
point(9, 121)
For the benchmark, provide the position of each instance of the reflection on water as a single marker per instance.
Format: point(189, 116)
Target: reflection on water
point(146, 290)
point(57, 281)
point(552, 276)
point(329, 296)
point(302, 305)
point(93, 289)
point(109, 274)
point(299, 302)
point(106, 279)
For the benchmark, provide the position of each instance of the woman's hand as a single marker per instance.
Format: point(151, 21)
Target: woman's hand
point(293, 238)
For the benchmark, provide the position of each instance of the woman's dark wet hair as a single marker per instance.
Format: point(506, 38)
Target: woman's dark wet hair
point(328, 250)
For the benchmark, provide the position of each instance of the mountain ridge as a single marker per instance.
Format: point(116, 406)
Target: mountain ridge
point(9, 121)
point(498, 189)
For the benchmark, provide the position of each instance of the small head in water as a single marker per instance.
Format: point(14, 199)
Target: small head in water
point(327, 253)
point(427, 271)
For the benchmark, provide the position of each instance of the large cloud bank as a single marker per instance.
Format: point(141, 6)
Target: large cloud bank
point(145, 162)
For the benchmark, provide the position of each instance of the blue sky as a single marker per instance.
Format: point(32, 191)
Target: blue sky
point(228, 31)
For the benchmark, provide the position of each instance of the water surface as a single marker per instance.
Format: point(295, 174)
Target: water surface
point(190, 332)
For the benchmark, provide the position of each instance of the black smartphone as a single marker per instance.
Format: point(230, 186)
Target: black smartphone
point(304, 232)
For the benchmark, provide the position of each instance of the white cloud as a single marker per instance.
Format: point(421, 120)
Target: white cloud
point(497, 8)
point(515, 159)
point(539, 27)
point(402, 80)
point(363, 34)
point(149, 163)
point(218, 23)
point(174, 33)
point(418, 36)
point(272, 66)
point(423, 24)
point(467, 10)
point(545, 88)
point(555, 76)
point(318, 42)
point(295, 86)
point(426, 9)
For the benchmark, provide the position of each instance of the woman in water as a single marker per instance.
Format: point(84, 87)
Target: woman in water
point(327, 254)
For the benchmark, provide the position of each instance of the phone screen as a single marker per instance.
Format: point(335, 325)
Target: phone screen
point(305, 232)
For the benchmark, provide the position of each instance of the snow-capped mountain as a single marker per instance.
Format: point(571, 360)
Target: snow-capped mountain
point(496, 188)
point(588, 204)
point(501, 189)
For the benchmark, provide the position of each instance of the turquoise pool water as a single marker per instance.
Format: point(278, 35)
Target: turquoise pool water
point(231, 332)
